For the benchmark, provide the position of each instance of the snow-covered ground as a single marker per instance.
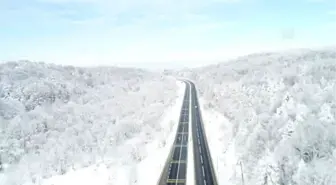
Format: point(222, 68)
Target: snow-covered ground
point(272, 117)
point(144, 172)
point(68, 125)
point(269, 118)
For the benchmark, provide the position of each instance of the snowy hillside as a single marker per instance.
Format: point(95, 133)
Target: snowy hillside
point(272, 116)
point(55, 119)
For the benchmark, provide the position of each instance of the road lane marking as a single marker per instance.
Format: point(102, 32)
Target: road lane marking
point(183, 138)
point(178, 167)
point(176, 181)
point(190, 161)
point(204, 182)
point(203, 171)
point(201, 159)
point(169, 170)
point(178, 162)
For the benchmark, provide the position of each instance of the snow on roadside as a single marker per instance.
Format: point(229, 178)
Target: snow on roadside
point(147, 171)
point(96, 174)
point(218, 131)
point(282, 112)
point(58, 119)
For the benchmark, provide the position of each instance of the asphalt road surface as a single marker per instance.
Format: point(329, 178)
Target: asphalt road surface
point(204, 172)
point(175, 169)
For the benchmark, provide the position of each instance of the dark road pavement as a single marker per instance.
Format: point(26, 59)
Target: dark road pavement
point(175, 169)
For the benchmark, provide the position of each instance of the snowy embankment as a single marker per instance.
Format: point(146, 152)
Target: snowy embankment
point(82, 125)
point(272, 117)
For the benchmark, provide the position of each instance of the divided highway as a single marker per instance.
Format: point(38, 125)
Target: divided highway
point(175, 169)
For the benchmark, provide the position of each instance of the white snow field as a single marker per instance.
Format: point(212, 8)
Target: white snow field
point(68, 125)
point(272, 117)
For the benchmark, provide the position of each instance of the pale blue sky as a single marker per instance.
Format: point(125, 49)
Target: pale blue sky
point(147, 33)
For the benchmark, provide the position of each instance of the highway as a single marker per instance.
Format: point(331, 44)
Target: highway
point(204, 172)
point(175, 169)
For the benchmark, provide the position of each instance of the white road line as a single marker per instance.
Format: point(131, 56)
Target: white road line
point(203, 170)
point(201, 159)
point(179, 160)
point(190, 180)
point(169, 170)
point(204, 182)
point(198, 141)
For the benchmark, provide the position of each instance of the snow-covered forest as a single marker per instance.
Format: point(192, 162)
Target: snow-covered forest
point(270, 119)
point(59, 118)
point(278, 117)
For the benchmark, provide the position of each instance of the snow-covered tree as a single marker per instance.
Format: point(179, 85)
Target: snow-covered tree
point(282, 107)
point(58, 118)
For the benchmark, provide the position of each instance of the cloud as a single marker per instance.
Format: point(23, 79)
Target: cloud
point(116, 13)
point(85, 30)
point(131, 8)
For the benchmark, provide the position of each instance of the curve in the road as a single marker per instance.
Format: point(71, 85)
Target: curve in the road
point(204, 171)
point(174, 172)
